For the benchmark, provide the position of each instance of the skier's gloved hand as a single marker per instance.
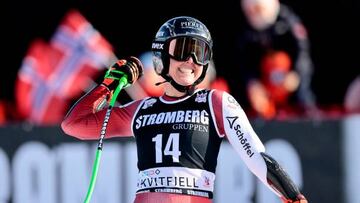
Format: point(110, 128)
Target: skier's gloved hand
point(130, 68)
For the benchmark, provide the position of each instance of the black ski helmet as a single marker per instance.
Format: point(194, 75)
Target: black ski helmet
point(182, 26)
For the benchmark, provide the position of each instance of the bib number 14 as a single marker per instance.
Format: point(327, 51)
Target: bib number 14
point(171, 147)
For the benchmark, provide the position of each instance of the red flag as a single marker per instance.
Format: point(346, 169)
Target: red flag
point(35, 100)
point(54, 73)
point(84, 51)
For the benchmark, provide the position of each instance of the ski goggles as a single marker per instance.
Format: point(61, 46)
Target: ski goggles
point(182, 48)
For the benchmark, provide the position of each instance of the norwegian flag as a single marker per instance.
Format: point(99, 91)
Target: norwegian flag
point(54, 73)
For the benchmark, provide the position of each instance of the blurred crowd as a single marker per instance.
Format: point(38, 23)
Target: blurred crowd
point(273, 56)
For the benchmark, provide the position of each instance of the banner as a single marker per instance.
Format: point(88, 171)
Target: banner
point(43, 165)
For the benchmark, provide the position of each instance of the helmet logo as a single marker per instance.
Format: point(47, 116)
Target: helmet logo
point(157, 46)
point(160, 34)
point(191, 24)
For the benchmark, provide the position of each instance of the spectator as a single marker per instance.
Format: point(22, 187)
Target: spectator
point(274, 60)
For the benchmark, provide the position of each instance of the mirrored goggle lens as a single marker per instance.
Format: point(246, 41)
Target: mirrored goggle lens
point(182, 48)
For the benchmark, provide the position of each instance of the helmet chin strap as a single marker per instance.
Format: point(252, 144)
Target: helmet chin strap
point(189, 90)
point(186, 89)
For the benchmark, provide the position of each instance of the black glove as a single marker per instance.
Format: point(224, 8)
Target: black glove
point(129, 68)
